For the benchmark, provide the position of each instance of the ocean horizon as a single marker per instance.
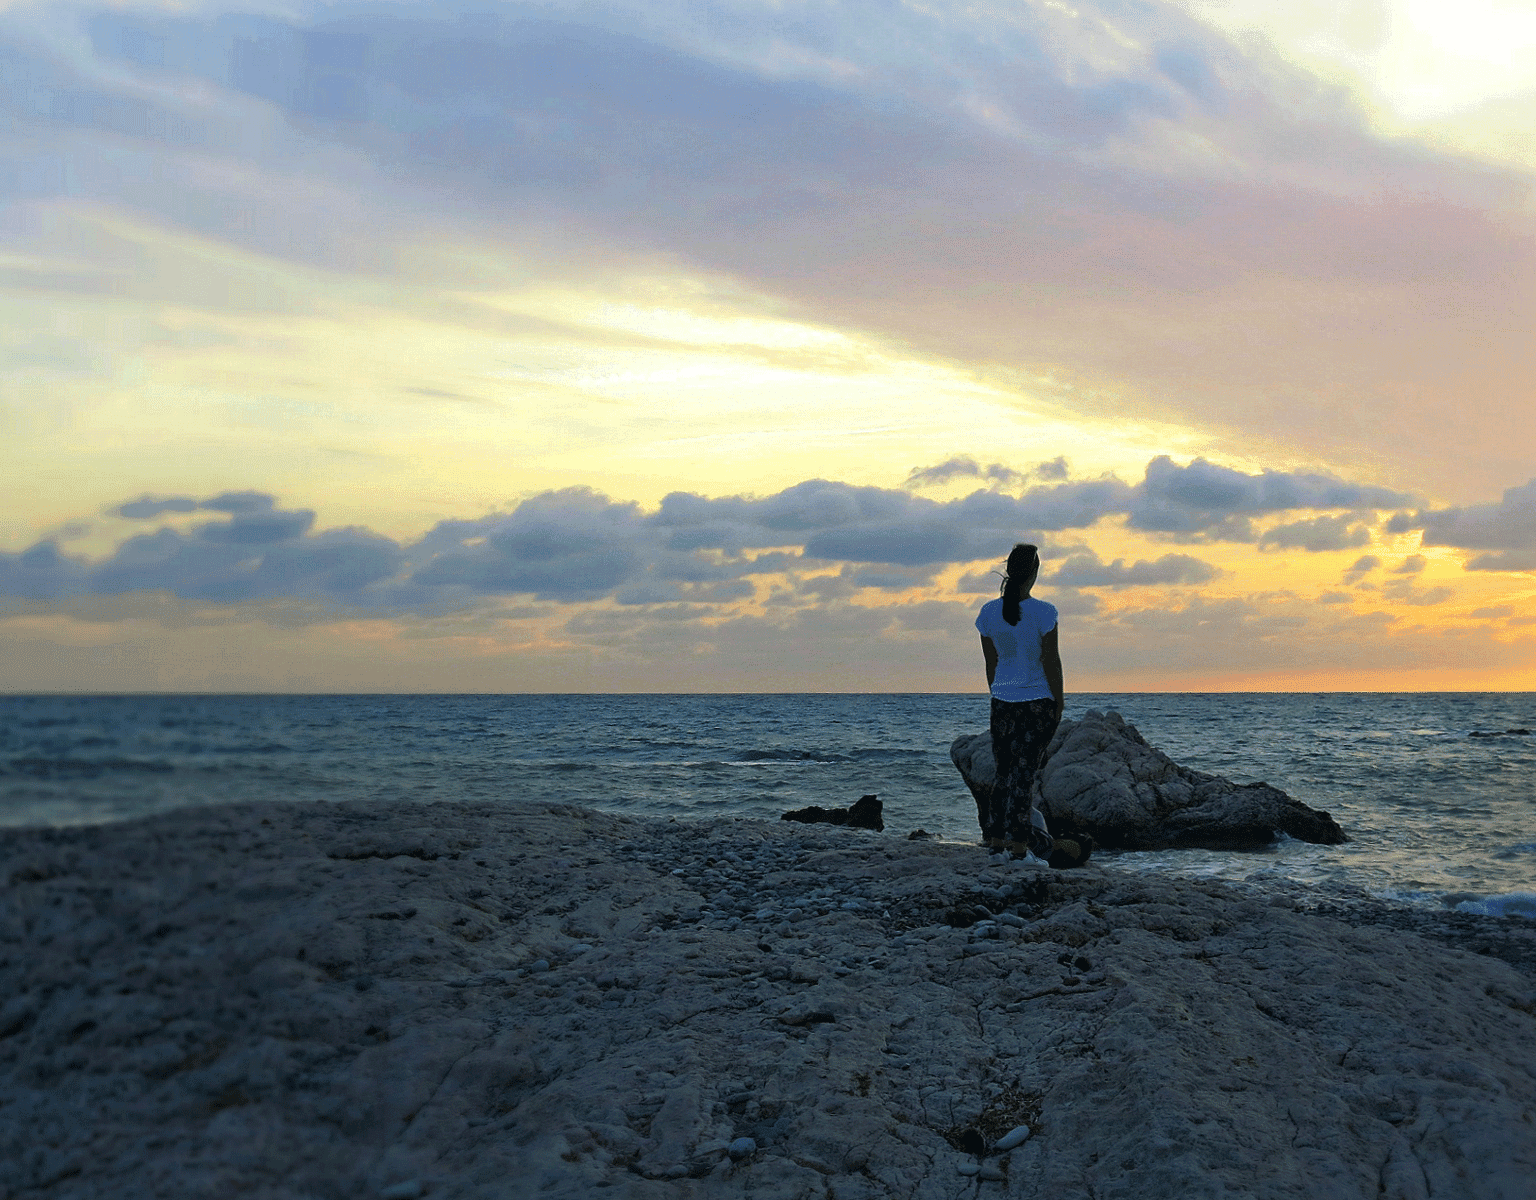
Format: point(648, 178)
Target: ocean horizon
point(1436, 790)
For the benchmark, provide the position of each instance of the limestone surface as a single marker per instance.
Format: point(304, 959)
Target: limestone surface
point(450, 1000)
point(1101, 777)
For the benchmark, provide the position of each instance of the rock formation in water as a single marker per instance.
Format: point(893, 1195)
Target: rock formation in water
point(864, 814)
point(1101, 776)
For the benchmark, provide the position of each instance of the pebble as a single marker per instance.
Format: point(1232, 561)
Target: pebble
point(990, 1171)
point(538, 965)
point(968, 1168)
point(742, 1147)
point(1014, 1137)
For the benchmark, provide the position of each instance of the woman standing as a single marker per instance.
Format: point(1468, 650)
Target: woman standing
point(1018, 642)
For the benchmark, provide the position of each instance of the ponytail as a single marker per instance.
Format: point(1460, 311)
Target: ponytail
point(1023, 566)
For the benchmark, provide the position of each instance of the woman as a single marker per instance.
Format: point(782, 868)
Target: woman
point(1018, 642)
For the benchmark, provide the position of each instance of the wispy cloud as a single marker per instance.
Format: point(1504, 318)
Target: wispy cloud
point(1086, 571)
point(1146, 206)
point(1318, 534)
point(963, 466)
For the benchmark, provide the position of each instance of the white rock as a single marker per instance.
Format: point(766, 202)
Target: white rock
point(742, 1147)
point(1014, 1137)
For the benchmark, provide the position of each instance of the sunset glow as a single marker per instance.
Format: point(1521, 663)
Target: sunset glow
point(411, 347)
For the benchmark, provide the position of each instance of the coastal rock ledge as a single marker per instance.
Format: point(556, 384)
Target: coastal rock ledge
point(1101, 777)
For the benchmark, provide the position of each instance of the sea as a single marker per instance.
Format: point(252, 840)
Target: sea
point(1437, 791)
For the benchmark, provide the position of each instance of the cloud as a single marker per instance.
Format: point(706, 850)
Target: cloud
point(889, 165)
point(568, 545)
point(1411, 565)
point(577, 545)
point(979, 583)
point(240, 503)
point(1404, 590)
point(963, 466)
point(1508, 525)
point(840, 522)
point(1204, 499)
point(1507, 528)
point(1086, 571)
point(253, 555)
point(1361, 567)
point(146, 508)
point(1317, 534)
point(1509, 560)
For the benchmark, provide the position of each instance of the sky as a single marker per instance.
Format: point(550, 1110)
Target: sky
point(655, 345)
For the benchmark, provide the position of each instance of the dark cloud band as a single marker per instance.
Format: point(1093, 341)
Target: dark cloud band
point(578, 545)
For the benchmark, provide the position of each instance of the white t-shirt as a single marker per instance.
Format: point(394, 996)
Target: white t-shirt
point(1019, 673)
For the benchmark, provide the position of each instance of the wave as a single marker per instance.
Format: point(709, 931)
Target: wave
point(860, 754)
point(82, 768)
point(1509, 904)
point(1499, 733)
point(789, 755)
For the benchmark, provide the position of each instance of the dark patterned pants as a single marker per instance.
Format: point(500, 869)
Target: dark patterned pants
point(1020, 734)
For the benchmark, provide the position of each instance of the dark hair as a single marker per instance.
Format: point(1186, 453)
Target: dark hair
point(1023, 562)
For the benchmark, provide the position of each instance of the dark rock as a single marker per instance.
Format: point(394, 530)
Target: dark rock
point(918, 835)
point(1101, 778)
point(818, 1017)
point(864, 814)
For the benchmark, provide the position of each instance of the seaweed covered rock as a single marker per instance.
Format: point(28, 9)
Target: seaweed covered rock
point(1101, 776)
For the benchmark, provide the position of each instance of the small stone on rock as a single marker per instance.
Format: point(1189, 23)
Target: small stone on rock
point(1014, 1137)
point(967, 1168)
point(742, 1147)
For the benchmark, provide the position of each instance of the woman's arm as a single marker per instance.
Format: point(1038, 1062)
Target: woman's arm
point(1050, 662)
point(989, 653)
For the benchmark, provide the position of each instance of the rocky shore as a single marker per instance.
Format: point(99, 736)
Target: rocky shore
point(323, 1001)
